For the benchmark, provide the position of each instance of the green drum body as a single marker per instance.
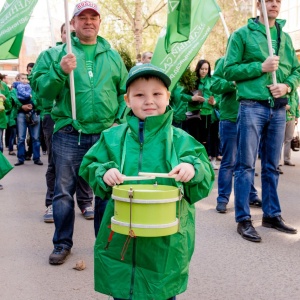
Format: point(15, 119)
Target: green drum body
point(145, 210)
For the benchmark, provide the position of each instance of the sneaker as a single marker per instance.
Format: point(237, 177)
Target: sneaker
point(88, 213)
point(12, 153)
point(221, 207)
point(1, 187)
point(48, 216)
point(58, 256)
point(214, 165)
point(19, 163)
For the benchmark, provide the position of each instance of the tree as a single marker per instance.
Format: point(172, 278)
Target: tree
point(137, 20)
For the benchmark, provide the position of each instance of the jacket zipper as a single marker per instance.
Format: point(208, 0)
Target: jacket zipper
point(141, 139)
point(133, 267)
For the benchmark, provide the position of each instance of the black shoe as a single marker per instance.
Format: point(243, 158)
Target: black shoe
point(38, 162)
point(27, 158)
point(255, 203)
point(19, 163)
point(1, 187)
point(58, 256)
point(248, 232)
point(278, 223)
point(221, 207)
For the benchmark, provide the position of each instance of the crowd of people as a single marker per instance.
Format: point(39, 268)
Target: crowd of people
point(123, 125)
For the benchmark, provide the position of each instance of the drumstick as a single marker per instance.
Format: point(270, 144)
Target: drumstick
point(137, 177)
point(162, 175)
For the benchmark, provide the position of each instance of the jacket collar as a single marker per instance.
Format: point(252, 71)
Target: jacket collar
point(152, 125)
point(253, 25)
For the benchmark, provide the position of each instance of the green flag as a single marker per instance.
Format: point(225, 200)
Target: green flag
point(174, 60)
point(179, 22)
point(14, 17)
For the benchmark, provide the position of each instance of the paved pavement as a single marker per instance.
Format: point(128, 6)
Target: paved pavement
point(224, 266)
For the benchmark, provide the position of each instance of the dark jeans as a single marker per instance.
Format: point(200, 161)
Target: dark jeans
point(35, 136)
point(84, 193)
point(67, 157)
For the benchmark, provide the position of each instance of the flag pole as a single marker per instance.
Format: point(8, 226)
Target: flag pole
point(69, 49)
point(224, 24)
point(266, 20)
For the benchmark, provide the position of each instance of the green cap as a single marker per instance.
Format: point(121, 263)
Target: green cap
point(147, 69)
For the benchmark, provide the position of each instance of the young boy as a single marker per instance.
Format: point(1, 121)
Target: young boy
point(156, 267)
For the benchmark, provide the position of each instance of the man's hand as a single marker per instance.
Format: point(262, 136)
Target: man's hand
point(270, 64)
point(278, 90)
point(211, 100)
point(184, 171)
point(27, 107)
point(113, 177)
point(68, 63)
point(198, 98)
point(114, 124)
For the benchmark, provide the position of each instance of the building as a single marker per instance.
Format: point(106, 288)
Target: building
point(290, 11)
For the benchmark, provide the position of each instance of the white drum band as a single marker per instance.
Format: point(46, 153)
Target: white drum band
point(125, 224)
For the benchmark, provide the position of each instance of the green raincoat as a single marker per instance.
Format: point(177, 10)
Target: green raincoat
point(98, 104)
point(156, 267)
point(248, 49)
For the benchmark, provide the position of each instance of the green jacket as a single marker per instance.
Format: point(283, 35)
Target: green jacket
point(98, 105)
point(178, 105)
point(228, 105)
point(4, 90)
point(247, 50)
point(205, 107)
point(157, 267)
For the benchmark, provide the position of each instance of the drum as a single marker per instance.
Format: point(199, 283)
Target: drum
point(145, 210)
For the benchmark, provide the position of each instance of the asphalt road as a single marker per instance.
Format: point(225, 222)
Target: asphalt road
point(224, 266)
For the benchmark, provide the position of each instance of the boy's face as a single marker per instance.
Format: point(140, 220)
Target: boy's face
point(23, 79)
point(147, 97)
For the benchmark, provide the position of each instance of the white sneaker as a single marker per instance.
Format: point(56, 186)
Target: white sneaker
point(214, 165)
point(48, 216)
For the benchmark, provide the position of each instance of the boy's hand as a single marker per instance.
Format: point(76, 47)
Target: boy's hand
point(113, 177)
point(185, 172)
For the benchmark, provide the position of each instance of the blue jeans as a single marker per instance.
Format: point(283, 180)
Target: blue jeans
point(34, 132)
point(257, 123)
point(67, 157)
point(228, 138)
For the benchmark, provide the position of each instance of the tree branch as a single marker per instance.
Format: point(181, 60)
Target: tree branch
point(157, 9)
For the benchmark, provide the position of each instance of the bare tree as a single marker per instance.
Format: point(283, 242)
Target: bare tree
point(135, 16)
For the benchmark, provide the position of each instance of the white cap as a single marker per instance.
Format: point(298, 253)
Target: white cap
point(83, 5)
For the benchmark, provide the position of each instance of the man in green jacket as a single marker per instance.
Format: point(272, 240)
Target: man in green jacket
point(100, 76)
point(228, 108)
point(261, 113)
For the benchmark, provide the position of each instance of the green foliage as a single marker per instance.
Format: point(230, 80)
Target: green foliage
point(124, 53)
point(188, 80)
